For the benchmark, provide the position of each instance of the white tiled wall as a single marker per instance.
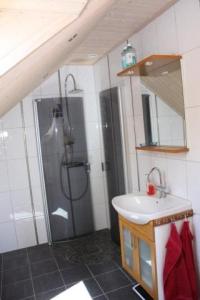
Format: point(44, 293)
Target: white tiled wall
point(16, 216)
point(181, 25)
point(175, 31)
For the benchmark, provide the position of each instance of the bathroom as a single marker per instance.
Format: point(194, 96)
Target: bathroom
point(35, 263)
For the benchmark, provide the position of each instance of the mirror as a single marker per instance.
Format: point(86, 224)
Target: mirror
point(163, 104)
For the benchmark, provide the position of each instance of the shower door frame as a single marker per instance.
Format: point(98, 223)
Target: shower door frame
point(41, 170)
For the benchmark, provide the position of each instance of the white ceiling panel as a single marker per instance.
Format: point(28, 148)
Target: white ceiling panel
point(124, 19)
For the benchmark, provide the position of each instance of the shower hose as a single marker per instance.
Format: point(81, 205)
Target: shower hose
point(62, 164)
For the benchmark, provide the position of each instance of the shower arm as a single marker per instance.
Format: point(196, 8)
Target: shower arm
point(74, 82)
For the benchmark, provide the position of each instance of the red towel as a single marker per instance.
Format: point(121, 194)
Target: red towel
point(176, 280)
point(186, 239)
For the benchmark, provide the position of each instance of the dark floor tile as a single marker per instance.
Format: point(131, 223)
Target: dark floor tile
point(63, 263)
point(92, 287)
point(1, 262)
point(100, 298)
point(11, 276)
point(50, 294)
point(15, 262)
point(17, 291)
point(47, 282)
point(43, 267)
point(112, 280)
point(122, 294)
point(75, 274)
point(38, 253)
point(132, 280)
point(15, 253)
point(104, 267)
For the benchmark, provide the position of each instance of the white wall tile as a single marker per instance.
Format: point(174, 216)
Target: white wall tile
point(12, 119)
point(90, 107)
point(17, 172)
point(191, 75)
point(97, 188)
point(85, 79)
point(100, 219)
point(8, 241)
point(34, 171)
point(50, 86)
point(25, 233)
point(14, 143)
point(193, 183)
point(144, 165)
point(192, 126)
point(38, 201)
point(196, 222)
point(41, 228)
point(92, 134)
point(101, 73)
point(188, 22)
point(176, 177)
point(31, 141)
point(4, 182)
point(149, 40)
point(167, 32)
point(6, 211)
point(28, 111)
point(21, 202)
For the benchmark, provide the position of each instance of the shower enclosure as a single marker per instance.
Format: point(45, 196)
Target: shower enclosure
point(113, 152)
point(65, 166)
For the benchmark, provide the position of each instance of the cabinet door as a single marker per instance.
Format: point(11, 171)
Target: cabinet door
point(147, 265)
point(128, 249)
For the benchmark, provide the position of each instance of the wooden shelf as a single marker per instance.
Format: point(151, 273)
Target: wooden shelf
point(153, 64)
point(165, 149)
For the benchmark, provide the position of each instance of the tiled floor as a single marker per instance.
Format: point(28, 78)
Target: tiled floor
point(41, 272)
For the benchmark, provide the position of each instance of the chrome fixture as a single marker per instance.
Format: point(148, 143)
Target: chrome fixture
point(75, 90)
point(161, 188)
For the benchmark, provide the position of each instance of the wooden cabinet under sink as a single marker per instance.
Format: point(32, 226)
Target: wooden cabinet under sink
point(143, 250)
point(138, 254)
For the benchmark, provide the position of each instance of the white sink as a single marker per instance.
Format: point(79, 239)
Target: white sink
point(140, 208)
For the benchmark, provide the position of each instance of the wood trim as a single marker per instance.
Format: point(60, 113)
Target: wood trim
point(164, 149)
point(146, 230)
point(159, 61)
point(173, 218)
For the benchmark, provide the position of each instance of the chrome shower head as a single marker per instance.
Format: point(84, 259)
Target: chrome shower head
point(75, 90)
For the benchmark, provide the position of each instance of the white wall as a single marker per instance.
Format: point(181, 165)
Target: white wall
point(16, 216)
point(174, 32)
point(181, 25)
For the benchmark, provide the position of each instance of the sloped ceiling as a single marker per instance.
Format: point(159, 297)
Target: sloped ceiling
point(27, 24)
point(29, 70)
point(123, 19)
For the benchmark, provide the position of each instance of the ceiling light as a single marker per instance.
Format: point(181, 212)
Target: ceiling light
point(148, 63)
point(92, 55)
point(164, 73)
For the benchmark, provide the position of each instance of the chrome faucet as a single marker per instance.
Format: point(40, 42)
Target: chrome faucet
point(161, 188)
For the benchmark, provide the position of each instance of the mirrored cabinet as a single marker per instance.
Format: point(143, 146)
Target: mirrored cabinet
point(162, 102)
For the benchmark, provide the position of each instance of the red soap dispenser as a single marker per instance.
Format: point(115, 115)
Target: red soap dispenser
point(151, 189)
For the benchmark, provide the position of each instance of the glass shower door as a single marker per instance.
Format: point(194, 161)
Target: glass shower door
point(67, 185)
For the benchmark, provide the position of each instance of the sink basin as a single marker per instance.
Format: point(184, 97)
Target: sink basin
point(140, 208)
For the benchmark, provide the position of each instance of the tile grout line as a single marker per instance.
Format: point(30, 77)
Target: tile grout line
point(103, 293)
point(58, 268)
point(30, 272)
